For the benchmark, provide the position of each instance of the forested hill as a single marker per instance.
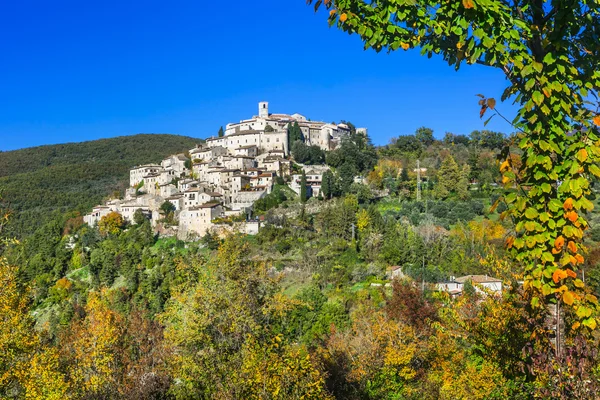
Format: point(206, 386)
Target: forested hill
point(39, 181)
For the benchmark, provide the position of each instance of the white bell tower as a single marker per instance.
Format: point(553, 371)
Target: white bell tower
point(263, 109)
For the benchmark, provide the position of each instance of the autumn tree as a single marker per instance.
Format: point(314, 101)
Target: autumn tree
point(111, 224)
point(373, 360)
point(92, 348)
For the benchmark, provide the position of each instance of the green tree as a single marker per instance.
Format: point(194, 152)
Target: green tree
point(328, 185)
point(448, 177)
point(167, 208)
point(138, 217)
point(221, 132)
point(407, 144)
point(303, 188)
point(425, 136)
point(294, 133)
point(404, 174)
point(462, 186)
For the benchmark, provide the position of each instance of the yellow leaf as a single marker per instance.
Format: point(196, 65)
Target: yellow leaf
point(491, 103)
point(568, 298)
point(582, 155)
point(405, 46)
point(576, 325)
point(597, 120)
point(468, 3)
point(343, 17)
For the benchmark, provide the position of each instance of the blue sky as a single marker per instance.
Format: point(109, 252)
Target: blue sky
point(82, 70)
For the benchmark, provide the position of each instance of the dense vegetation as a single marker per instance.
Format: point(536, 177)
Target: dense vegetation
point(39, 181)
point(302, 309)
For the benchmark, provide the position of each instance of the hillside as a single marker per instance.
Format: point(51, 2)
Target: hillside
point(40, 181)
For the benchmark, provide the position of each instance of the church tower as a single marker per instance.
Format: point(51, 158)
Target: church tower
point(263, 109)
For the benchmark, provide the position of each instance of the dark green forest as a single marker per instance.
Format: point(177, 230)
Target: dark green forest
point(41, 182)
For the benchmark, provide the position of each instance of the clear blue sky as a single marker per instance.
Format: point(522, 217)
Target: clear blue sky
point(82, 70)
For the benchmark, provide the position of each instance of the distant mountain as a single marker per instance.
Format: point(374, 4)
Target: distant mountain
point(39, 182)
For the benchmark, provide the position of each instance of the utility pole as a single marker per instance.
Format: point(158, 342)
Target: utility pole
point(418, 181)
point(423, 277)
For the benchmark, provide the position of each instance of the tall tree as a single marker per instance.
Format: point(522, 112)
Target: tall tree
point(549, 52)
point(303, 188)
point(294, 134)
point(221, 132)
point(328, 184)
point(448, 177)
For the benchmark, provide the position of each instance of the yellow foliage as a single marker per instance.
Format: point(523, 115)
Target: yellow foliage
point(93, 346)
point(479, 231)
point(472, 382)
point(362, 220)
point(279, 371)
point(111, 223)
point(380, 351)
point(27, 368)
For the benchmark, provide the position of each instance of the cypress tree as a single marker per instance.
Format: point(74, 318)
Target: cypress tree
point(303, 188)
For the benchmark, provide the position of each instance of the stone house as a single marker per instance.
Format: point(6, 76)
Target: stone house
point(137, 174)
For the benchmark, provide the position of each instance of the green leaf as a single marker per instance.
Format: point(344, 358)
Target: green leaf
point(549, 59)
point(537, 97)
point(531, 213)
point(590, 323)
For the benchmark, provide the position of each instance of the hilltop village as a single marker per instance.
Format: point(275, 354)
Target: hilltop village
point(213, 186)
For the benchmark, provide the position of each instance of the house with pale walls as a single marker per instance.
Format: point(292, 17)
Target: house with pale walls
point(483, 284)
point(198, 219)
point(314, 179)
point(167, 190)
point(137, 174)
point(248, 151)
point(263, 181)
point(176, 164)
point(243, 200)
